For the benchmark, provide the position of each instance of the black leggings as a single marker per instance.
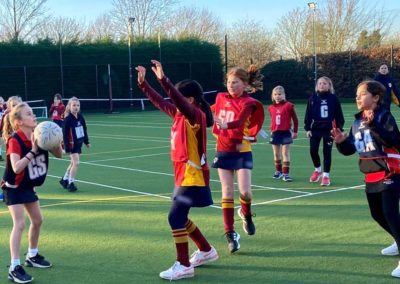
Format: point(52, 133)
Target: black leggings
point(178, 214)
point(384, 207)
point(326, 148)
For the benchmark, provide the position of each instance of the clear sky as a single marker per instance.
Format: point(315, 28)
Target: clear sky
point(229, 11)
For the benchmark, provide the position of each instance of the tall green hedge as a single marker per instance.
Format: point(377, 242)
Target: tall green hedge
point(346, 69)
point(33, 71)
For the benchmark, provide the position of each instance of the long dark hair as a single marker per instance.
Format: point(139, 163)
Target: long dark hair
point(191, 88)
point(375, 88)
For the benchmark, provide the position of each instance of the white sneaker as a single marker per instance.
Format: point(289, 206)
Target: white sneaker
point(390, 250)
point(177, 271)
point(396, 271)
point(201, 257)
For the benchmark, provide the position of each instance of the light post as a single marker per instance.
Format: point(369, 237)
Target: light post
point(130, 22)
point(313, 6)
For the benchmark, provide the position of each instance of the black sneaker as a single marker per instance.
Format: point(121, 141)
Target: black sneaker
point(19, 275)
point(248, 225)
point(37, 261)
point(64, 183)
point(233, 241)
point(71, 187)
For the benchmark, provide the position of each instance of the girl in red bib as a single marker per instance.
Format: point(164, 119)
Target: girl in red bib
point(282, 114)
point(191, 115)
point(57, 110)
point(238, 119)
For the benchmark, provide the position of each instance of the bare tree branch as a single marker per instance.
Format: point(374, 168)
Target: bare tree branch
point(149, 16)
point(251, 43)
point(19, 19)
point(194, 22)
point(62, 30)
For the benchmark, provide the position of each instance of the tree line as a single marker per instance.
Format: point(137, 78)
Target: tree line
point(334, 26)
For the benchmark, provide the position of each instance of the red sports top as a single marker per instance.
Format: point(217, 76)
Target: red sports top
point(188, 135)
point(57, 111)
point(282, 115)
point(244, 117)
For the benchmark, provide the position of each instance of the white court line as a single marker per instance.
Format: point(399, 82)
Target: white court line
point(121, 151)
point(309, 194)
point(127, 138)
point(168, 139)
point(141, 193)
point(128, 126)
point(131, 157)
point(281, 189)
point(167, 174)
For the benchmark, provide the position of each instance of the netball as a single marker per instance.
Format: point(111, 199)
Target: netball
point(48, 135)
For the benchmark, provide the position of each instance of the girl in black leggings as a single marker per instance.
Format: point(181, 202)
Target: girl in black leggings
point(323, 110)
point(376, 137)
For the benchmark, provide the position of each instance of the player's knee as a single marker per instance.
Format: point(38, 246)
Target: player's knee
point(175, 219)
point(19, 225)
point(37, 222)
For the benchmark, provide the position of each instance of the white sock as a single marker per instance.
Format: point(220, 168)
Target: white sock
point(318, 169)
point(66, 177)
point(71, 180)
point(32, 252)
point(325, 174)
point(14, 263)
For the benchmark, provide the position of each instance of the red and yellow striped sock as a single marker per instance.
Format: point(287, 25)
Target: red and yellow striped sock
point(197, 237)
point(278, 165)
point(245, 204)
point(286, 166)
point(182, 246)
point(228, 213)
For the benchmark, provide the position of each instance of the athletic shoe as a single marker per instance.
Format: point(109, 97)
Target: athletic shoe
point(201, 257)
point(316, 175)
point(391, 250)
point(37, 261)
point(233, 241)
point(19, 275)
point(71, 187)
point(64, 183)
point(177, 271)
point(287, 178)
point(325, 181)
point(248, 225)
point(396, 271)
point(277, 175)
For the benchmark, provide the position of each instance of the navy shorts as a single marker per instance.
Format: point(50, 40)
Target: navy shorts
point(233, 160)
point(193, 196)
point(14, 196)
point(281, 137)
point(77, 149)
point(59, 122)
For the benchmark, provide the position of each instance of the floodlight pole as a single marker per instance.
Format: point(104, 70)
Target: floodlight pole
point(130, 22)
point(313, 6)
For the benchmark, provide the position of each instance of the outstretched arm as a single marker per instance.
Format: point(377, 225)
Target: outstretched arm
point(156, 99)
point(182, 103)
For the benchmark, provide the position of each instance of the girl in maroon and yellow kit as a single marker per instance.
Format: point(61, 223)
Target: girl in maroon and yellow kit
point(191, 115)
point(57, 110)
point(238, 119)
